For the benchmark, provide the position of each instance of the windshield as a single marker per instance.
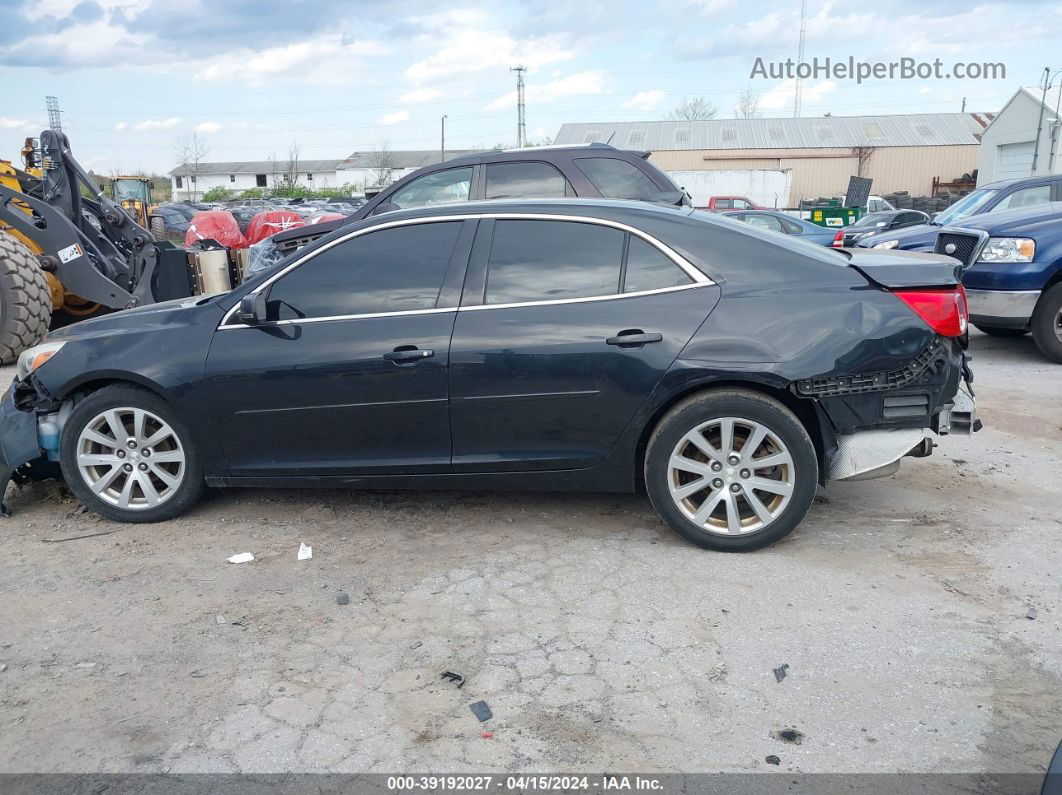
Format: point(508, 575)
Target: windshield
point(969, 205)
point(125, 189)
point(873, 219)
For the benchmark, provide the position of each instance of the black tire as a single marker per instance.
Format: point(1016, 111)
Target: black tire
point(158, 227)
point(752, 406)
point(184, 495)
point(1046, 320)
point(25, 300)
point(999, 331)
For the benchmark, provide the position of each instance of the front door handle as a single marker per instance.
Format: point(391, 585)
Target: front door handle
point(634, 338)
point(408, 354)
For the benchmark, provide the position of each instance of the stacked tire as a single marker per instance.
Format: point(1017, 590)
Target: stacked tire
point(25, 301)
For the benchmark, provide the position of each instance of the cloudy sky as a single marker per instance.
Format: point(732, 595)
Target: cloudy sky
point(252, 76)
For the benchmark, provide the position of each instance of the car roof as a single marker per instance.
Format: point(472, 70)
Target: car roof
point(545, 152)
point(1007, 183)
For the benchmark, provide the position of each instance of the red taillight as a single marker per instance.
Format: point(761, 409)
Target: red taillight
point(944, 311)
point(838, 240)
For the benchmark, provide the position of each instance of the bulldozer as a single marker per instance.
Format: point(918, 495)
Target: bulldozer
point(134, 194)
point(68, 251)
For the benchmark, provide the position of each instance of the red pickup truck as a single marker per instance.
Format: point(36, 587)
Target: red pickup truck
point(719, 203)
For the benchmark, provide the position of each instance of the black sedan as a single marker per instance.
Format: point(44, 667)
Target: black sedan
point(565, 345)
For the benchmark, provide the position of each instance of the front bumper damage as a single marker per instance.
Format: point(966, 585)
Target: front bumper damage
point(19, 443)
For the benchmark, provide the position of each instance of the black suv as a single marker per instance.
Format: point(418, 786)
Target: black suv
point(593, 170)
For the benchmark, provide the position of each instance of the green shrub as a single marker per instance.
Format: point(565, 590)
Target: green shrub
point(218, 194)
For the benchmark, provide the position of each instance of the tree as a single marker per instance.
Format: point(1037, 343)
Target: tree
point(696, 109)
point(290, 177)
point(863, 155)
point(191, 151)
point(384, 163)
point(748, 105)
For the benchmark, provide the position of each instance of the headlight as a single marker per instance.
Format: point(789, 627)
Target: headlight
point(34, 357)
point(1008, 249)
point(888, 244)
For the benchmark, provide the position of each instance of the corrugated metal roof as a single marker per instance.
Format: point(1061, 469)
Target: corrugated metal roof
point(257, 167)
point(921, 129)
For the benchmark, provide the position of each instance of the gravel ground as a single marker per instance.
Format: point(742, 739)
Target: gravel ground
point(919, 616)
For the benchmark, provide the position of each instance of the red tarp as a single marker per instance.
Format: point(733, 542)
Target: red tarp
point(270, 222)
point(219, 225)
point(321, 218)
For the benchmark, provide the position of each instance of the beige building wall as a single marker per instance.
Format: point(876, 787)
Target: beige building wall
point(825, 172)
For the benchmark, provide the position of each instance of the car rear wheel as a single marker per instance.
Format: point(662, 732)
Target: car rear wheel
point(125, 454)
point(1047, 324)
point(999, 331)
point(731, 470)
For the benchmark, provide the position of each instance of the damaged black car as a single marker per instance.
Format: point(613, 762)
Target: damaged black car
point(545, 345)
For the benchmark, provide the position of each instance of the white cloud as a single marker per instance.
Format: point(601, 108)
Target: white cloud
point(393, 118)
point(120, 126)
point(645, 100)
point(573, 85)
point(156, 124)
point(326, 59)
point(467, 50)
point(420, 95)
point(781, 96)
point(9, 123)
point(208, 127)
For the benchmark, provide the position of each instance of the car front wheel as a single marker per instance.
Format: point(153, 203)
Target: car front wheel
point(1047, 324)
point(126, 455)
point(731, 470)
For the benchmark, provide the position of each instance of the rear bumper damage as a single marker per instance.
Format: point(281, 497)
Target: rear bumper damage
point(876, 453)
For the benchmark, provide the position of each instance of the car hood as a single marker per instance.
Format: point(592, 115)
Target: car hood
point(137, 318)
point(909, 234)
point(900, 270)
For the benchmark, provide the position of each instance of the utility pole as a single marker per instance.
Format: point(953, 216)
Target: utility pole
point(1040, 124)
point(521, 129)
point(54, 122)
point(442, 138)
point(798, 94)
point(963, 105)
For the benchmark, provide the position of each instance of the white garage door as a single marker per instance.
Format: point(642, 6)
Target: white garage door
point(1015, 160)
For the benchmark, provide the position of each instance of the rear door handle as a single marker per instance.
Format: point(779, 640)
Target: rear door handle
point(634, 338)
point(408, 354)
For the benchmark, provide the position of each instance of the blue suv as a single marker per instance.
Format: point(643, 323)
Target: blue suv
point(1009, 194)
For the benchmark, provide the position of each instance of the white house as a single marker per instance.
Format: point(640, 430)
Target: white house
point(191, 182)
point(360, 170)
point(382, 168)
point(1023, 140)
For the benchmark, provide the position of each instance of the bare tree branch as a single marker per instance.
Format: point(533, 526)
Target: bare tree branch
point(384, 163)
point(748, 105)
point(696, 109)
point(191, 152)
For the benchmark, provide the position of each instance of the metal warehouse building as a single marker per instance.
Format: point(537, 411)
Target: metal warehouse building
point(898, 152)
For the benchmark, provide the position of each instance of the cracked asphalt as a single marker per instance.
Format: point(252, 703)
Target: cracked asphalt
point(919, 617)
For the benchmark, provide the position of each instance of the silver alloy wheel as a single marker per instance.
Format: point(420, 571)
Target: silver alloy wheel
point(731, 476)
point(1058, 325)
point(130, 458)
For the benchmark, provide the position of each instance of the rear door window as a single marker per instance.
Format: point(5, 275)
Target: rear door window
point(440, 187)
point(531, 180)
point(552, 260)
point(648, 268)
point(617, 179)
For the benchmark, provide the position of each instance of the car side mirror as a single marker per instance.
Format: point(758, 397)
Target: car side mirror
point(252, 309)
point(386, 207)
